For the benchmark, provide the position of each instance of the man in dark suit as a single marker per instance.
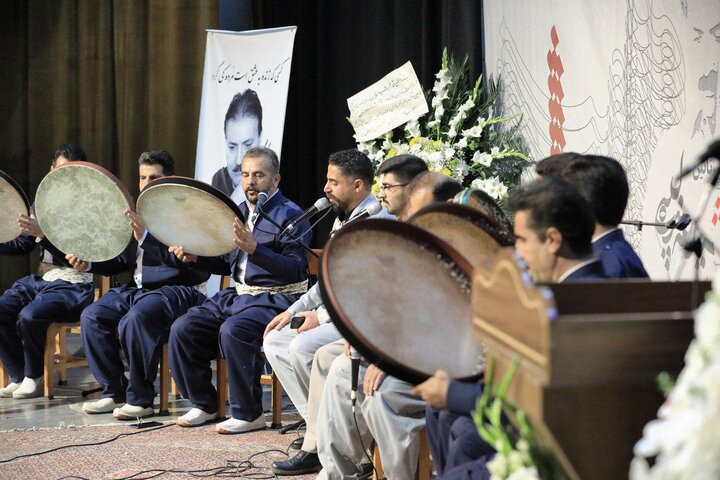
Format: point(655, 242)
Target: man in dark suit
point(553, 229)
point(137, 317)
point(603, 183)
point(270, 275)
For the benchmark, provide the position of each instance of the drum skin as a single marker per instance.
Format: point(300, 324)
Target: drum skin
point(476, 236)
point(80, 208)
point(401, 297)
point(13, 202)
point(189, 213)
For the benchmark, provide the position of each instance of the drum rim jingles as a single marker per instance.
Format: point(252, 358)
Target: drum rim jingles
point(20, 193)
point(176, 180)
point(345, 325)
point(121, 188)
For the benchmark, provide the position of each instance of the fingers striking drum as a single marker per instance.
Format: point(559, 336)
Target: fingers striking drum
point(80, 206)
point(414, 316)
point(190, 213)
point(13, 202)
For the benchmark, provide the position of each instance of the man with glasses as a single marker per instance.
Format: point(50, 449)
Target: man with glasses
point(395, 174)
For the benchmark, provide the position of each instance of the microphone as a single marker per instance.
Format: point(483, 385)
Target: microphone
point(369, 211)
point(713, 151)
point(355, 370)
point(262, 198)
point(320, 205)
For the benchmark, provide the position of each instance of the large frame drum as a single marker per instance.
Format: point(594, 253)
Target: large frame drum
point(13, 202)
point(401, 297)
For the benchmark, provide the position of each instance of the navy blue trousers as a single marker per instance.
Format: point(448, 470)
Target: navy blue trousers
point(26, 310)
point(234, 325)
point(454, 442)
point(138, 321)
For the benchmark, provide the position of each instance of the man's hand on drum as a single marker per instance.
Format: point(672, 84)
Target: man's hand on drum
point(278, 322)
point(311, 321)
point(30, 225)
point(243, 237)
point(373, 379)
point(181, 255)
point(136, 223)
point(434, 390)
point(77, 263)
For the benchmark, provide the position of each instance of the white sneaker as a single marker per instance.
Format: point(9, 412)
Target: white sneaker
point(195, 417)
point(30, 388)
point(7, 391)
point(132, 412)
point(233, 425)
point(104, 405)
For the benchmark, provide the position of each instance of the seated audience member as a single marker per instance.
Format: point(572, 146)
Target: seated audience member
point(270, 274)
point(553, 230)
point(290, 351)
point(137, 317)
point(603, 183)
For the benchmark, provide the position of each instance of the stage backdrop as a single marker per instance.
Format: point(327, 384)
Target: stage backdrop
point(634, 80)
point(244, 95)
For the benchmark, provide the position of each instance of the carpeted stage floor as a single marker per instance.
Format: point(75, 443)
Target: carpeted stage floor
point(193, 450)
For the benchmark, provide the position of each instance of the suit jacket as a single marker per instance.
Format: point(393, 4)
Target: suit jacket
point(275, 261)
point(617, 256)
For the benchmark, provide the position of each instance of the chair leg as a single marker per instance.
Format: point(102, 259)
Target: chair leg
point(276, 402)
point(377, 463)
point(222, 387)
point(164, 381)
point(50, 346)
point(61, 350)
point(424, 459)
point(4, 377)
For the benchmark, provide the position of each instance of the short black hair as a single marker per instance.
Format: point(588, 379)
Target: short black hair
point(603, 183)
point(158, 157)
point(268, 153)
point(554, 164)
point(353, 163)
point(244, 104)
point(404, 167)
point(554, 202)
point(446, 189)
point(71, 151)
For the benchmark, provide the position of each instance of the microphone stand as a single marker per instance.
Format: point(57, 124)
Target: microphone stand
point(693, 245)
point(292, 237)
point(679, 224)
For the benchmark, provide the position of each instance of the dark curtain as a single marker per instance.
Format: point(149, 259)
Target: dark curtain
point(116, 76)
point(342, 47)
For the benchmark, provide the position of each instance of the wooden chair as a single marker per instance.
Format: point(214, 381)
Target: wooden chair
point(424, 461)
point(56, 356)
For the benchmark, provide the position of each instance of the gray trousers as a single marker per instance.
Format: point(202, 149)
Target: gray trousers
point(291, 356)
point(392, 416)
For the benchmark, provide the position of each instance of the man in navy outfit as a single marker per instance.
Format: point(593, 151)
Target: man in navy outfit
point(603, 183)
point(270, 275)
point(57, 294)
point(553, 229)
point(137, 317)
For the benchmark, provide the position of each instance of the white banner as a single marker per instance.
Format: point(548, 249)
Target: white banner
point(634, 80)
point(244, 95)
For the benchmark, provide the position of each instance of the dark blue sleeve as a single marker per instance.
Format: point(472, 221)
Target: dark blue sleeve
point(462, 396)
point(216, 265)
point(122, 263)
point(156, 251)
point(289, 260)
point(20, 246)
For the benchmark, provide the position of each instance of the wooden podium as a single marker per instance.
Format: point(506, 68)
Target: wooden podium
point(591, 353)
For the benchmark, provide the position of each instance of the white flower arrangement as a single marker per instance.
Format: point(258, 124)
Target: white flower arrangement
point(459, 136)
point(684, 441)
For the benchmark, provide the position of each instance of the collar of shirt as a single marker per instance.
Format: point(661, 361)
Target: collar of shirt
point(594, 240)
point(574, 269)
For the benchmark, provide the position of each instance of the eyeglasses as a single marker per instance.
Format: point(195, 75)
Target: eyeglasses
point(385, 186)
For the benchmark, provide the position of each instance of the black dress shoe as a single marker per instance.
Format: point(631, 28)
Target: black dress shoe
point(297, 443)
point(303, 462)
